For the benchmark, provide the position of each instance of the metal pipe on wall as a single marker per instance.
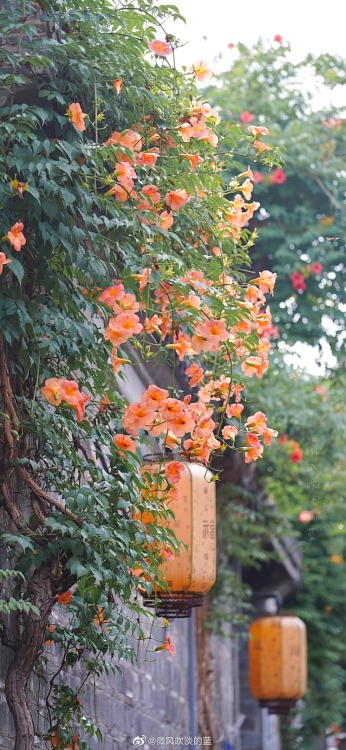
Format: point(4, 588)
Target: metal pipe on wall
point(270, 730)
point(192, 691)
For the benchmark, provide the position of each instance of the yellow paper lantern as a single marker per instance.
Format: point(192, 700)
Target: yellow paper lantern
point(192, 571)
point(278, 661)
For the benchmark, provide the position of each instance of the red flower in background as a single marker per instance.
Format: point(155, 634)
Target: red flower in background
point(278, 176)
point(316, 268)
point(297, 455)
point(257, 177)
point(305, 516)
point(278, 38)
point(331, 122)
point(293, 448)
point(246, 117)
point(297, 281)
point(322, 391)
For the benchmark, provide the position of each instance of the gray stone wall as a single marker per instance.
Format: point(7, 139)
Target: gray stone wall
point(149, 698)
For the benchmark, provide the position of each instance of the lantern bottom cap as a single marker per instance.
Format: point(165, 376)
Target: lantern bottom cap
point(172, 607)
point(281, 707)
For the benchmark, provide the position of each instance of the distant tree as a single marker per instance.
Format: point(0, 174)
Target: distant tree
point(303, 213)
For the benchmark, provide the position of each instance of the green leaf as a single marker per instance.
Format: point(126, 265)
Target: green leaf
point(17, 269)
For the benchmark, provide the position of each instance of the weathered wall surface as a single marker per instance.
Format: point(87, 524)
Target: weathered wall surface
point(6, 723)
point(226, 693)
point(251, 730)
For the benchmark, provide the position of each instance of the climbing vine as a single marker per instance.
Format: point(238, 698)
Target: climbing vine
point(122, 252)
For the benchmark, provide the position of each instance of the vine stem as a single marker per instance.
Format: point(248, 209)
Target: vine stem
point(28, 479)
point(36, 384)
point(51, 683)
point(10, 417)
point(96, 131)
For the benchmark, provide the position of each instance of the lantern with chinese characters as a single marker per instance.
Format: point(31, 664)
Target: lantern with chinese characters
point(277, 661)
point(190, 574)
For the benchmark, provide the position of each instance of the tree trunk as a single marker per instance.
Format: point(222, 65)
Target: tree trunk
point(28, 648)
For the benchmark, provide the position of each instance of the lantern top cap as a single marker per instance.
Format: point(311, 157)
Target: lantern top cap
point(268, 603)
